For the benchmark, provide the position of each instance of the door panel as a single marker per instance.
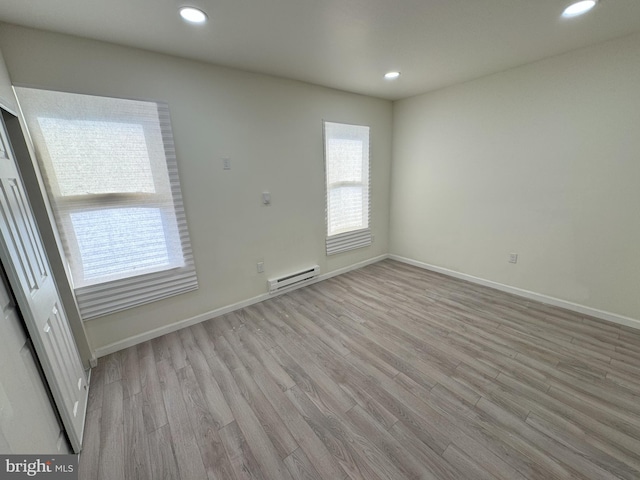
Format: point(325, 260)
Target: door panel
point(22, 248)
point(37, 296)
point(28, 423)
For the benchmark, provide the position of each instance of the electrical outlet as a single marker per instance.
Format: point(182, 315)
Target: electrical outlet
point(513, 258)
point(260, 267)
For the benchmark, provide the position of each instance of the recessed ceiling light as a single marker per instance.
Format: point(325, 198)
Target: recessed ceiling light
point(391, 75)
point(193, 15)
point(579, 8)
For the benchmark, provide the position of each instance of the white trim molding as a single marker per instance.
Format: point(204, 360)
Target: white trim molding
point(574, 307)
point(158, 332)
point(556, 302)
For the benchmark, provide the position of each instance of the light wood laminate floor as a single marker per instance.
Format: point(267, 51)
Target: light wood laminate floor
point(387, 372)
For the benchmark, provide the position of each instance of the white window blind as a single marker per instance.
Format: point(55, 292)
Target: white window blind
point(111, 176)
point(346, 151)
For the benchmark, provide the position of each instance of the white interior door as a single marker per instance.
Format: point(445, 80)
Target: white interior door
point(28, 421)
point(35, 290)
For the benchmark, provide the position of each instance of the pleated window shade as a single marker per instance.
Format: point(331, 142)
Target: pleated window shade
point(110, 170)
point(346, 151)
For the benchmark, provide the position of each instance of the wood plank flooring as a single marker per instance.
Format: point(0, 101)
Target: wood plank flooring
point(387, 372)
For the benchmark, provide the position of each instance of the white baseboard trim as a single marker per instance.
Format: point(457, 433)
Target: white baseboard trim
point(93, 361)
point(557, 302)
point(349, 268)
point(158, 332)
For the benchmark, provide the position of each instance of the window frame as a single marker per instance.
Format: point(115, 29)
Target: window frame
point(353, 238)
point(67, 205)
point(111, 294)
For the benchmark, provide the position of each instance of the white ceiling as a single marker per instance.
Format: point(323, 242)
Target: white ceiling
point(345, 44)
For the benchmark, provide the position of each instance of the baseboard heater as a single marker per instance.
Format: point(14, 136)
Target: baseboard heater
point(293, 280)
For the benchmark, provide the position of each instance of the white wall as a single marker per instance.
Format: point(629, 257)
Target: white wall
point(6, 94)
point(542, 160)
point(271, 128)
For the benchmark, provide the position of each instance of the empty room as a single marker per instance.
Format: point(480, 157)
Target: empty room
point(320, 240)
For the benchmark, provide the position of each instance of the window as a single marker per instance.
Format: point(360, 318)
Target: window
point(110, 171)
point(346, 152)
